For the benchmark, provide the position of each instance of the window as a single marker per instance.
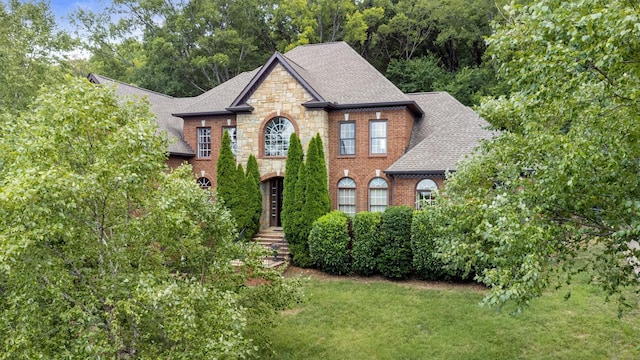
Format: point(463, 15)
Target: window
point(347, 138)
point(204, 183)
point(234, 139)
point(378, 195)
point(378, 137)
point(204, 142)
point(425, 192)
point(276, 136)
point(347, 196)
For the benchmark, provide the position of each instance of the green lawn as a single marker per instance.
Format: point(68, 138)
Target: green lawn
point(351, 319)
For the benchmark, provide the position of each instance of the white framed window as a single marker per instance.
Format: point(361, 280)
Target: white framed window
point(425, 191)
point(347, 196)
point(204, 142)
point(378, 195)
point(204, 183)
point(378, 137)
point(276, 136)
point(348, 138)
point(232, 131)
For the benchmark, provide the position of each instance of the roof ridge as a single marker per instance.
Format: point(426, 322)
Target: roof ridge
point(132, 86)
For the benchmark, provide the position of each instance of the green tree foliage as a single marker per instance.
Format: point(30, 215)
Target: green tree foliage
point(311, 200)
point(298, 240)
point(561, 182)
point(104, 253)
point(185, 47)
point(228, 181)
point(31, 52)
point(188, 47)
point(366, 242)
point(239, 191)
point(329, 243)
point(428, 230)
point(395, 259)
point(317, 201)
point(292, 166)
point(254, 204)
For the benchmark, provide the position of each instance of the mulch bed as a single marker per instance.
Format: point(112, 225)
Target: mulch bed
point(293, 272)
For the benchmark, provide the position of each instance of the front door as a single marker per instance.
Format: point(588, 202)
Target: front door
point(275, 201)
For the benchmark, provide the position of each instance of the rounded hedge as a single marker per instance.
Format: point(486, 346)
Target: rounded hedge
point(366, 242)
point(395, 259)
point(329, 243)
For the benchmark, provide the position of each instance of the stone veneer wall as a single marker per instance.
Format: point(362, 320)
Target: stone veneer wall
point(280, 94)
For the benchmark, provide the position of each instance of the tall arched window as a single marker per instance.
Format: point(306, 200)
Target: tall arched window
point(276, 136)
point(424, 193)
point(204, 183)
point(347, 196)
point(378, 194)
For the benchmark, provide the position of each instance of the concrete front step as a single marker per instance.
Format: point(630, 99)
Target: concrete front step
point(273, 240)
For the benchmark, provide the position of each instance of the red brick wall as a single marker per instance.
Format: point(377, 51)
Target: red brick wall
point(175, 161)
point(362, 166)
point(405, 189)
point(217, 124)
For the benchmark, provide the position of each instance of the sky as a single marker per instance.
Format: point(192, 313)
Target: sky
point(62, 8)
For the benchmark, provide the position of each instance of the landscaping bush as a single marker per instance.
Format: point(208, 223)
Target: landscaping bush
point(394, 260)
point(366, 242)
point(425, 229)
point(329, 243)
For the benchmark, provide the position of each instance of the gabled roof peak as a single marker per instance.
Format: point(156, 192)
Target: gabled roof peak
point(292, 67)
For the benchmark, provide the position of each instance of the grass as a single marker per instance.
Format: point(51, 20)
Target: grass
point(355, 319)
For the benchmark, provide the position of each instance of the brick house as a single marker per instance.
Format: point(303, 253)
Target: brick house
point(383, 147)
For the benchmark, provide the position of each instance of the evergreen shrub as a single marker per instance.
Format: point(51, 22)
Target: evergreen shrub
point(424, 231)
point(366, 242)
point(329, 243)
point(395, 259)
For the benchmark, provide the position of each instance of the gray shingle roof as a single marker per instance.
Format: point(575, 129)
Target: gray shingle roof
point(334, 70)
point(446, 133)
point(342, 76)
point(217, 99)
point(161, 105)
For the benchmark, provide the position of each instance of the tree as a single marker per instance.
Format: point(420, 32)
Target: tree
point(228, 183)
point(178, 48)
point(31, 52)
point(299, 226)
point(292, 166)
point(317, 201)
point(310, 203)
point(254, 204)
point(106, 254)
point(558, 191)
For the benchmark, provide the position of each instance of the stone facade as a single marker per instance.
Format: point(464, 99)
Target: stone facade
point(280, 94)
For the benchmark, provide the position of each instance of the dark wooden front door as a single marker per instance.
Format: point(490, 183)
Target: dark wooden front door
point(275, 201)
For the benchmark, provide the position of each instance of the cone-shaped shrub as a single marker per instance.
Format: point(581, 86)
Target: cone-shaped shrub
point(294, 159)
point(227, 182)
point(252, 180)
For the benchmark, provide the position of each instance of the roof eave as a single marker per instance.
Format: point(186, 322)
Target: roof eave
point(411, 105)
point(188, 155)
point(417, 172)
point(203, 113)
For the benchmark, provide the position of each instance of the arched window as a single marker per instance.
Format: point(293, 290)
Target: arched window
point(347, 196)
point(378, 195)
point(204, 183)
point(425, 192)
point(276, 136)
